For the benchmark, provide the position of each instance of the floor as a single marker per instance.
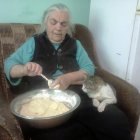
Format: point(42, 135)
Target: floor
point(137, 137)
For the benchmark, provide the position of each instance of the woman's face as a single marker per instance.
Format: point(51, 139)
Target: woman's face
point(57, 25)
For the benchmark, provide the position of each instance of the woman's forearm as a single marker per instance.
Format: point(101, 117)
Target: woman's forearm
point(29, 69)
point(78, 77)
point(65, 80)
point(17, 71)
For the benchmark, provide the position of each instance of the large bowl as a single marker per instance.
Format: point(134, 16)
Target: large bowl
point(69, 97)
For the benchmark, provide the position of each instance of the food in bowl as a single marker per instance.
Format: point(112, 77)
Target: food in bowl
point(68, 98)
point(43, 107)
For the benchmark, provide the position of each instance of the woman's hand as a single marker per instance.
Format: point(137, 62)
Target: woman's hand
point(32, 69)
point(63, 81)
point(29, 69)
point(68, 79)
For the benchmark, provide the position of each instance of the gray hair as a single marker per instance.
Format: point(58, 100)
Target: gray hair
point(56, 7)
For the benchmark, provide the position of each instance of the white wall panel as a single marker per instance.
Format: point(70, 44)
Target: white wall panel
point(112, 24)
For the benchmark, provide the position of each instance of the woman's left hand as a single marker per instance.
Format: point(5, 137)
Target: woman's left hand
point(64, 81)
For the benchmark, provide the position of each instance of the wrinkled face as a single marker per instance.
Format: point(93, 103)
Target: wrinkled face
point(57, 25)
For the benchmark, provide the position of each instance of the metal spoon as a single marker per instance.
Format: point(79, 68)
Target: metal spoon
point(43, 76)
point(49, 81)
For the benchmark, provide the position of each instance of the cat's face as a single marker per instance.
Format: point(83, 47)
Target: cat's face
point(92, 83)
point(88, 86)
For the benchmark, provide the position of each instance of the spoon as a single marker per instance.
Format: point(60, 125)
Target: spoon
point(49, 81)
point(43, 76)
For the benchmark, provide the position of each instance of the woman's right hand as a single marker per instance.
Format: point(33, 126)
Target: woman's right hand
point(29, 69)
point(32, 69)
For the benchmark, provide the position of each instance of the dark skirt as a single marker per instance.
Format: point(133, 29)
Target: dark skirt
point(86, 124)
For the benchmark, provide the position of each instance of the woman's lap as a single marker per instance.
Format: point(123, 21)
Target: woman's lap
point(110, 124)
point(87, 123)
point(88, 126)
point(69, 131)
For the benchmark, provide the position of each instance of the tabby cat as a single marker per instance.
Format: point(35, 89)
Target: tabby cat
point(101, 92)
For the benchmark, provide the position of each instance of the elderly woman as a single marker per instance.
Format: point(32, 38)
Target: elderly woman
point(53, 52)
point(57, 55)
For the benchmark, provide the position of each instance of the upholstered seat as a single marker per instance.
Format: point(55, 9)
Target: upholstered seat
point(13, 35)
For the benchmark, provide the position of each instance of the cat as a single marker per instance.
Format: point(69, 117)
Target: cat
point(101, 92)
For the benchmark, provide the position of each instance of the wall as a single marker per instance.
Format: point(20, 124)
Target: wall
point(30, 11)
point(112, 25)
point(134, 58)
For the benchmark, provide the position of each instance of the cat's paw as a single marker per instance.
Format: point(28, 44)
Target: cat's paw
point(95, 102)
point(101, 107)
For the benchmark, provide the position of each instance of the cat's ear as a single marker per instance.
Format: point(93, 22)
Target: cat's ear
point(96, 76)
point(91, 77)
point(88, 77)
